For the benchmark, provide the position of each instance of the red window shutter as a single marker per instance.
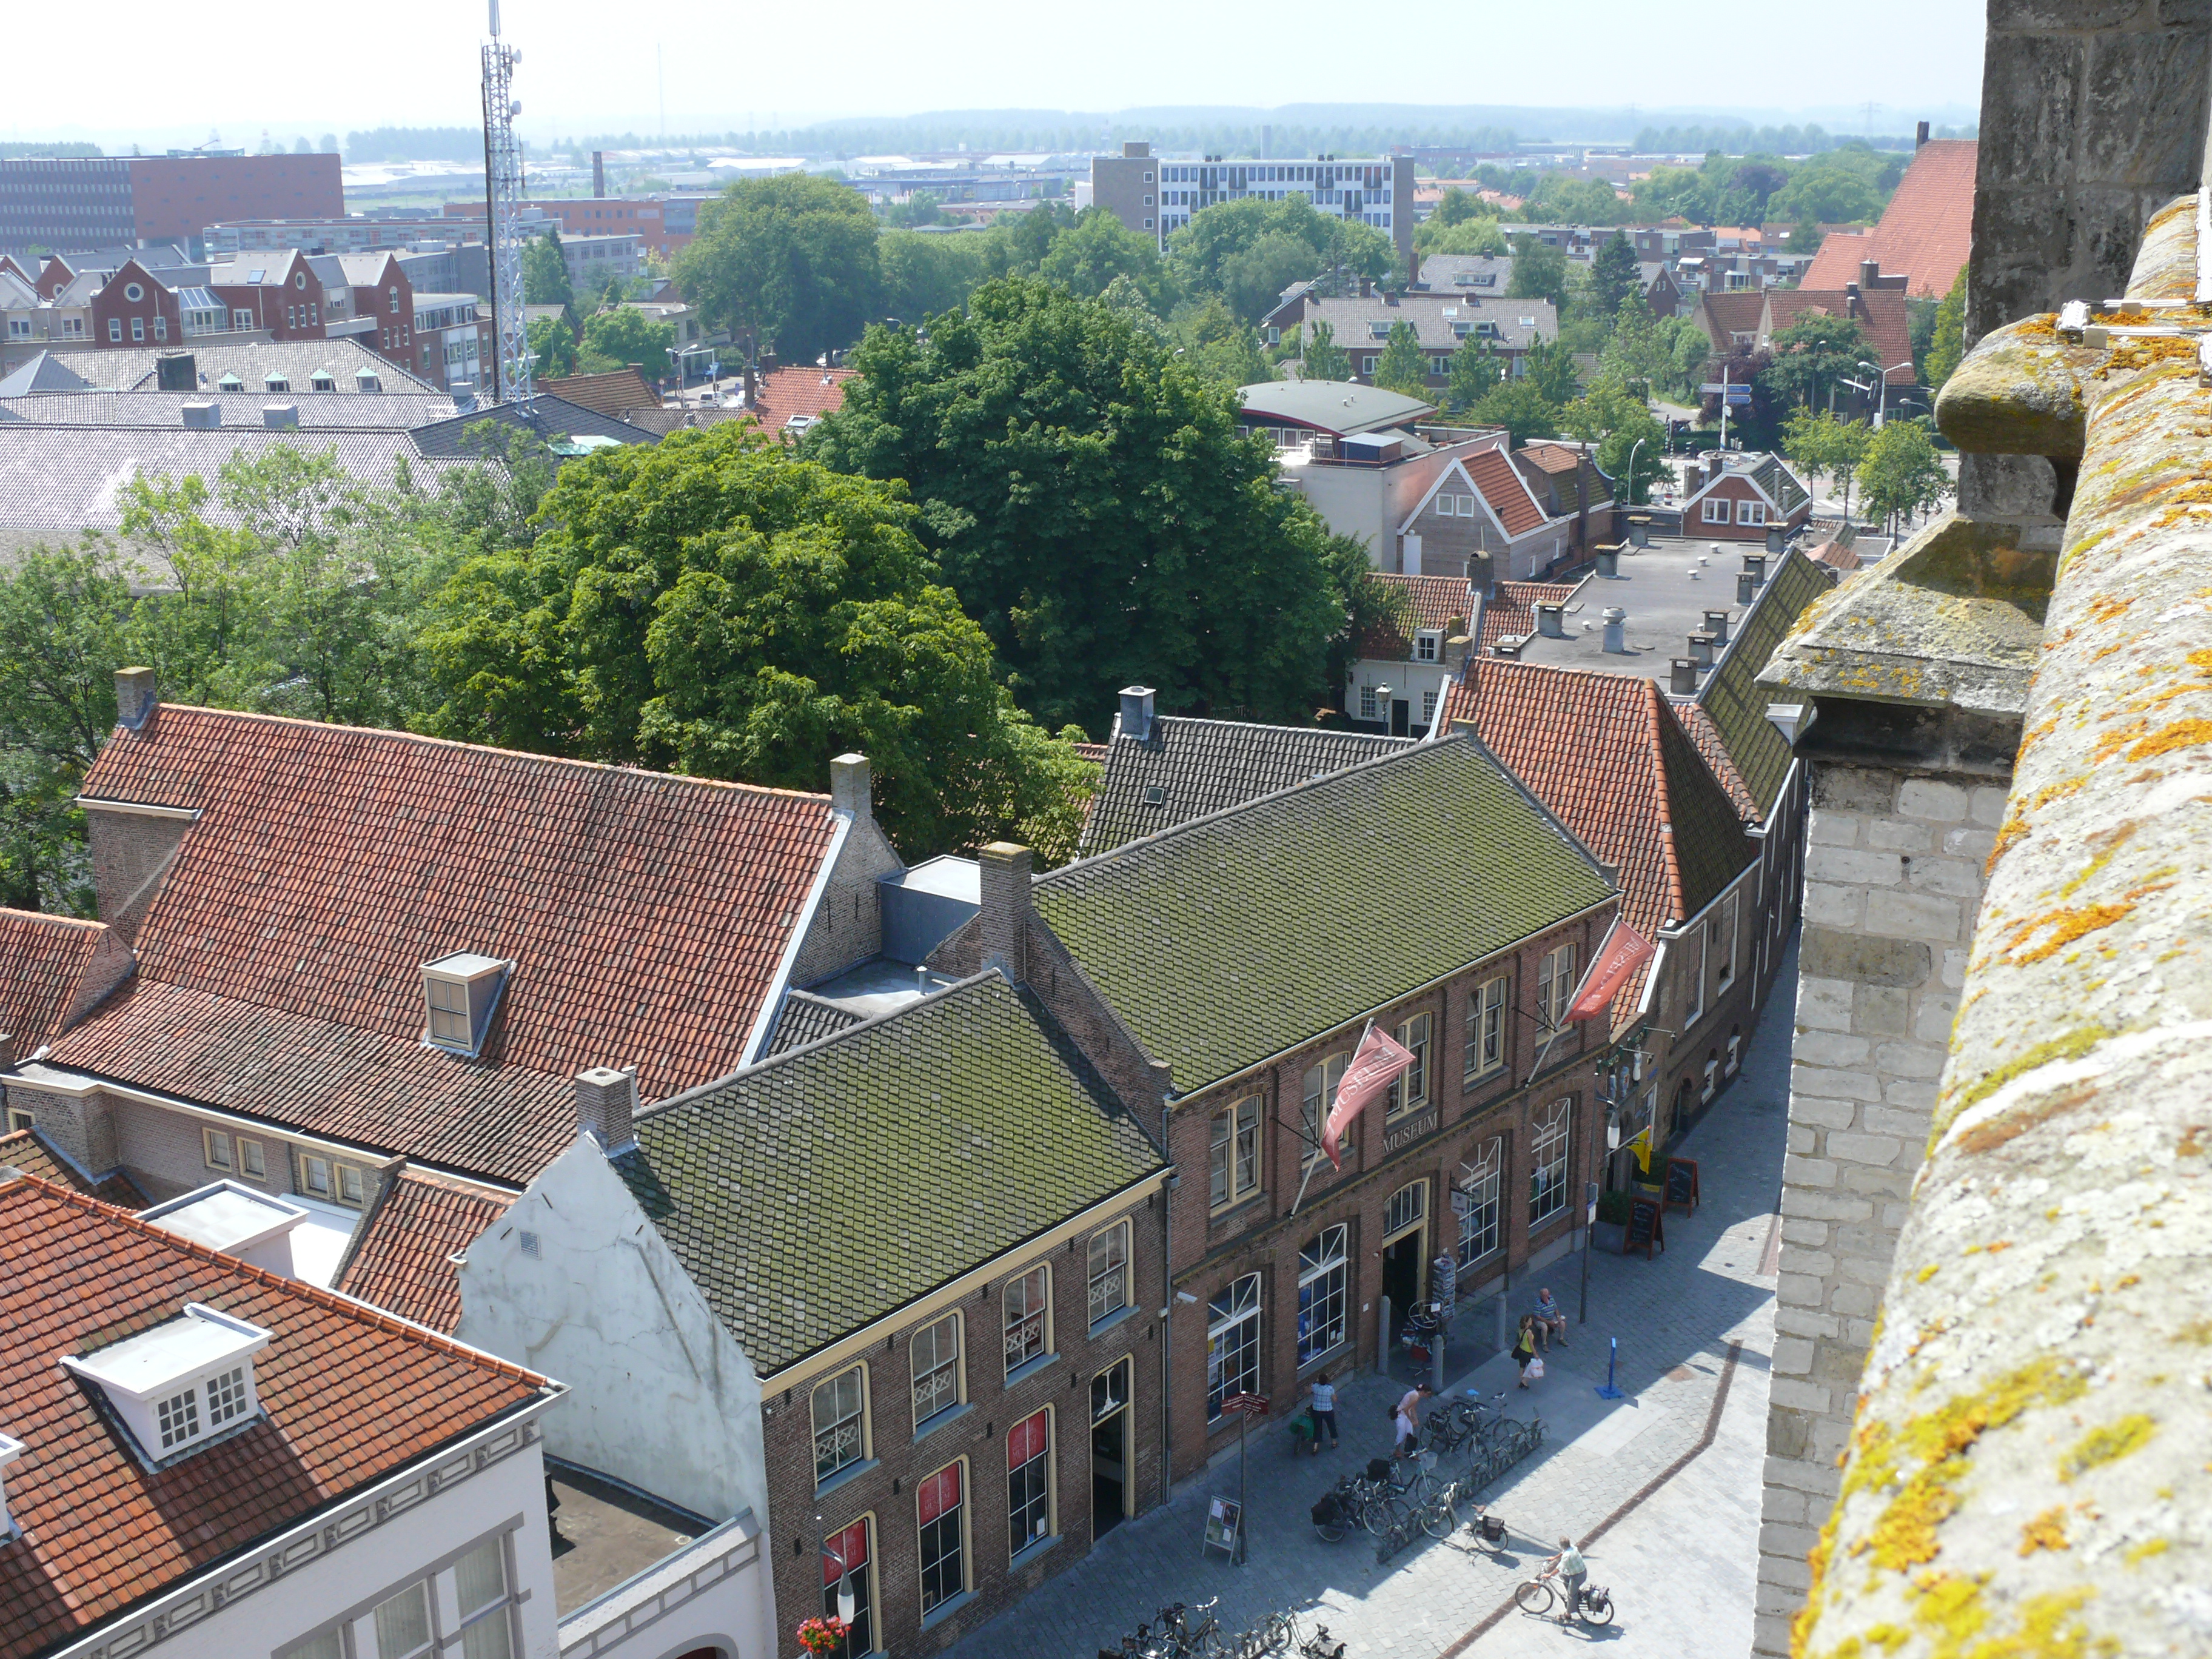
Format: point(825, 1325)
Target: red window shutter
point(1027, 1441)
point(853, 1545)
point(940, 1493)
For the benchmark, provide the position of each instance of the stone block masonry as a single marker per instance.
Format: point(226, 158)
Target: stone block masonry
point(1893, 874)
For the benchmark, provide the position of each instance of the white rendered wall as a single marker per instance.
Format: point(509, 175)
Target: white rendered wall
point(659, 1394)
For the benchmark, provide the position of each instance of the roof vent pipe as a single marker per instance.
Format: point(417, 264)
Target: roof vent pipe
point(1136, 703)
point(1682, 678)
point(1616, 628)
point(1551, 620)
point(1716, 625)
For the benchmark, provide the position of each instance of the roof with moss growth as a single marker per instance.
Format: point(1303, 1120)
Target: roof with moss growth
point(969, 1107)
point(1236, 936)
point(1732, 697)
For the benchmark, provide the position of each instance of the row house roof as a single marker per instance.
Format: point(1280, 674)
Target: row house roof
point(1509, 608)
point(27, 1152)
point(1231, 938)
point(1516, 323)
point(401, 1256)
point(347, 1397)
point(1731, 702)
point(390, 411)
point(1439, 603)
point(53, 970)
point(1924, 233)
point(970, 1106)
point(1883, 313)
point(647, 918)
point(1190, 769)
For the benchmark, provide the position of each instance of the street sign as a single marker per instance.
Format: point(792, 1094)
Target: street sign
point(1239, 1404)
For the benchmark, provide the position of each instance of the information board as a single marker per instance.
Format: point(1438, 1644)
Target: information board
point(1647, 1226)
point(1681, 1182)
point(1223, 1516)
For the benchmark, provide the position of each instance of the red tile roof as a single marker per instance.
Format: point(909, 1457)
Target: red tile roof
point(349, 1397)
point(1607, 755)
point(1722, 316)
point(52, 968)
point(1925, 232)
point(1501, 487)
point(25, 1152)
point(402, 1258)
point(647, 916)
point(1886, 321)
point(1441, 602)
point(1510, 608)
point(1707, 735)
point(799, 390)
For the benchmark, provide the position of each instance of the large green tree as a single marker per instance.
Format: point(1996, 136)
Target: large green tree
point(1948, 343)
point(793, 259)
point(1812, 354)
point(1615, 276)
point(1323, 359)
point(1538, 272)
point(1086, 259)
point(1476, 369)
point(626, 335)
point(718, 606)
point(1520, 406)
point(1631, 445)
point(545, 273)
point(553, 348)
point(1402, 367)
point(1902, 474)
point(1818, 442)
point(1089, 500)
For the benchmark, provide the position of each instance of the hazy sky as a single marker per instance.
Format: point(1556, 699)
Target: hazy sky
point(587, 64)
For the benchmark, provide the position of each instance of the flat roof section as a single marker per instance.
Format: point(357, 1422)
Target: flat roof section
point(1337, 406)
point(1665, 590)
point(225, 1216)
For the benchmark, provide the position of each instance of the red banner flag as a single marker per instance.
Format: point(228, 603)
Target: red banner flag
point(1624, 952)
point(1379, 1059)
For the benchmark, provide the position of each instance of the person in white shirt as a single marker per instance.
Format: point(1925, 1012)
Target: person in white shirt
point(1572, 1570)
point(1408, 1416)
point(1322, 1398)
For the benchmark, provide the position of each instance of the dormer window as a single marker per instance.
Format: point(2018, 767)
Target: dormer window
point(324, 380)
point(276, 383)
point(459, 994)
point(1428, 645)
point(181, 1385)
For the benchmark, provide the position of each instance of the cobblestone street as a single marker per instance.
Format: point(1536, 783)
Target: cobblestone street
point(1667, 1476)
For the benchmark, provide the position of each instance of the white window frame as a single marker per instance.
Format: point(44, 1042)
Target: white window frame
point(1551, 1142)
point(1323, 1262)
point(1233, 1154)
point(1716, 509)
point(855, 1423)
point(1477, 1204)
point(1721, 933)
point(1751, 512)
point(333, 1180)
point(1428, 645)
point(958, 1553)
point(1232, 1343)
point(1555, 985)
point(1108, 1276)
point(944, 1370)
point(1405, 1210)
point(1040, 1523)
point(215, 1150)
point(1367, 703)
point(1314, 1109)
point(1033, 1324)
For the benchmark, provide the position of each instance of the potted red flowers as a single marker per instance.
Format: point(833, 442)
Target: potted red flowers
point(822, 1635)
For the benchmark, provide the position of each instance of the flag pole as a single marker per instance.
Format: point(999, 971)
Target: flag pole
point(1320, 1146)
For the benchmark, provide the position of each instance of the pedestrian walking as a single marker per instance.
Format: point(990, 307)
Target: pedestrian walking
point(1524, 1346)
point(1551, 1320)
point(1572, 1572)
point(1408, 1417)
point(1320, 1399)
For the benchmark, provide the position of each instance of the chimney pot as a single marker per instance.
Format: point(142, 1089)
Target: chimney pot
point(1746, 588)
point(1138, 702)
point(1716, 625)
point(1551, 620)
point(135, 697)
point(1005, 908)
point(1616, 629)
point(851, 786)
point(1701, 650)
point(606, 1102)
point(1919, 134)
point(1682, 678)
point(1754, 566)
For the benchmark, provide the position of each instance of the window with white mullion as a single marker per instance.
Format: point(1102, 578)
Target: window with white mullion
point(936, 1368)
point(1232, 1343)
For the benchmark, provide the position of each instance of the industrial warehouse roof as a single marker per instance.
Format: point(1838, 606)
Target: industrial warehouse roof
point(1236, 937)
point(967, 1113)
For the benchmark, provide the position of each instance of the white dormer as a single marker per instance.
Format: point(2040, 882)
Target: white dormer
point(236, 1220)
point(459, 993)
point(1428, 645)
point(181, 1384)
point(10, 1451)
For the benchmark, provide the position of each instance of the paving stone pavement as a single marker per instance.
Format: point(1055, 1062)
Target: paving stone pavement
point(1682, 1563)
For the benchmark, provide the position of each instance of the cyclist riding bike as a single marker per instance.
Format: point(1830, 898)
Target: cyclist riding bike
point(1571, 1572)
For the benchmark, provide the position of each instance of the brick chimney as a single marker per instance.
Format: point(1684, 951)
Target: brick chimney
point(1919, 134)
point(1006, 915)
point(851, 787)
point(606, 1100)
point(135, 698)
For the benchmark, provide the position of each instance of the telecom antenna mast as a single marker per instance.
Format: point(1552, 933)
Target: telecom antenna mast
point(503, 185)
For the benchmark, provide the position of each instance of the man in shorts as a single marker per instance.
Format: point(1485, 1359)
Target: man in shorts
point(1573, 1573)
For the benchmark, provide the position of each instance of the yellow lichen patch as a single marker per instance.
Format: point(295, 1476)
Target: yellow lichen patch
point(2188, 1145)
point(1929, 1272)
point(2136, 1554)
point(2116, 739)
point(2072, 1045)
point(2134, 354)
point(2013, 830)
point(2066, 924)
point(2199, 1333)
point(1904, 1534)
point(2002, 1244)
point(2104, 607)
point(2107, 1445)
point(2181, 734)
point(2046, 1532)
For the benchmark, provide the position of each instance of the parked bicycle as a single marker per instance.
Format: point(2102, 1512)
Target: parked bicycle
point(1321, 1646)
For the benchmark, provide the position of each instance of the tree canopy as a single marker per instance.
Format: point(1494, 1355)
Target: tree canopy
point(1813, 353)
point(1902, 474)
point(545, 272)
point(1087, 497)
point(1948, 343)
point(1401, 367)
point(626, 335)
point(1323, 359)
point(793, 258)
point(1818, 442)
point(1540, 272)
point(1086, 259)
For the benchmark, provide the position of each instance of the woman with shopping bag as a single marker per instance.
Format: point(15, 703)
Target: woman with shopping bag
point(1524, 1350)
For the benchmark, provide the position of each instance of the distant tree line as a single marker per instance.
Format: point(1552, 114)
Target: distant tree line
point(1746, 140)
point(416, 144)
point(10, 151)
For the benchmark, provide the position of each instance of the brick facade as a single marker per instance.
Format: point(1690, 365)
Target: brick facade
point(883, 1491)
point(174, 197)
point(154, 318)
point(1738, 493)
point(1425, 1143)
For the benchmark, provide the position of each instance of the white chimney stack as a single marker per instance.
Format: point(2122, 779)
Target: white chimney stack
point(1137, 704)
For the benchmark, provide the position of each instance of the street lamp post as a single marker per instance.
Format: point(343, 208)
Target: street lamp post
point(1633, 448)
point(1882, 386)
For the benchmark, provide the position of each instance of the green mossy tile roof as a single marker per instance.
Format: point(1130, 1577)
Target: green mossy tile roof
point(1732, 697)
point(829, 1186)
point(1233, 937)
